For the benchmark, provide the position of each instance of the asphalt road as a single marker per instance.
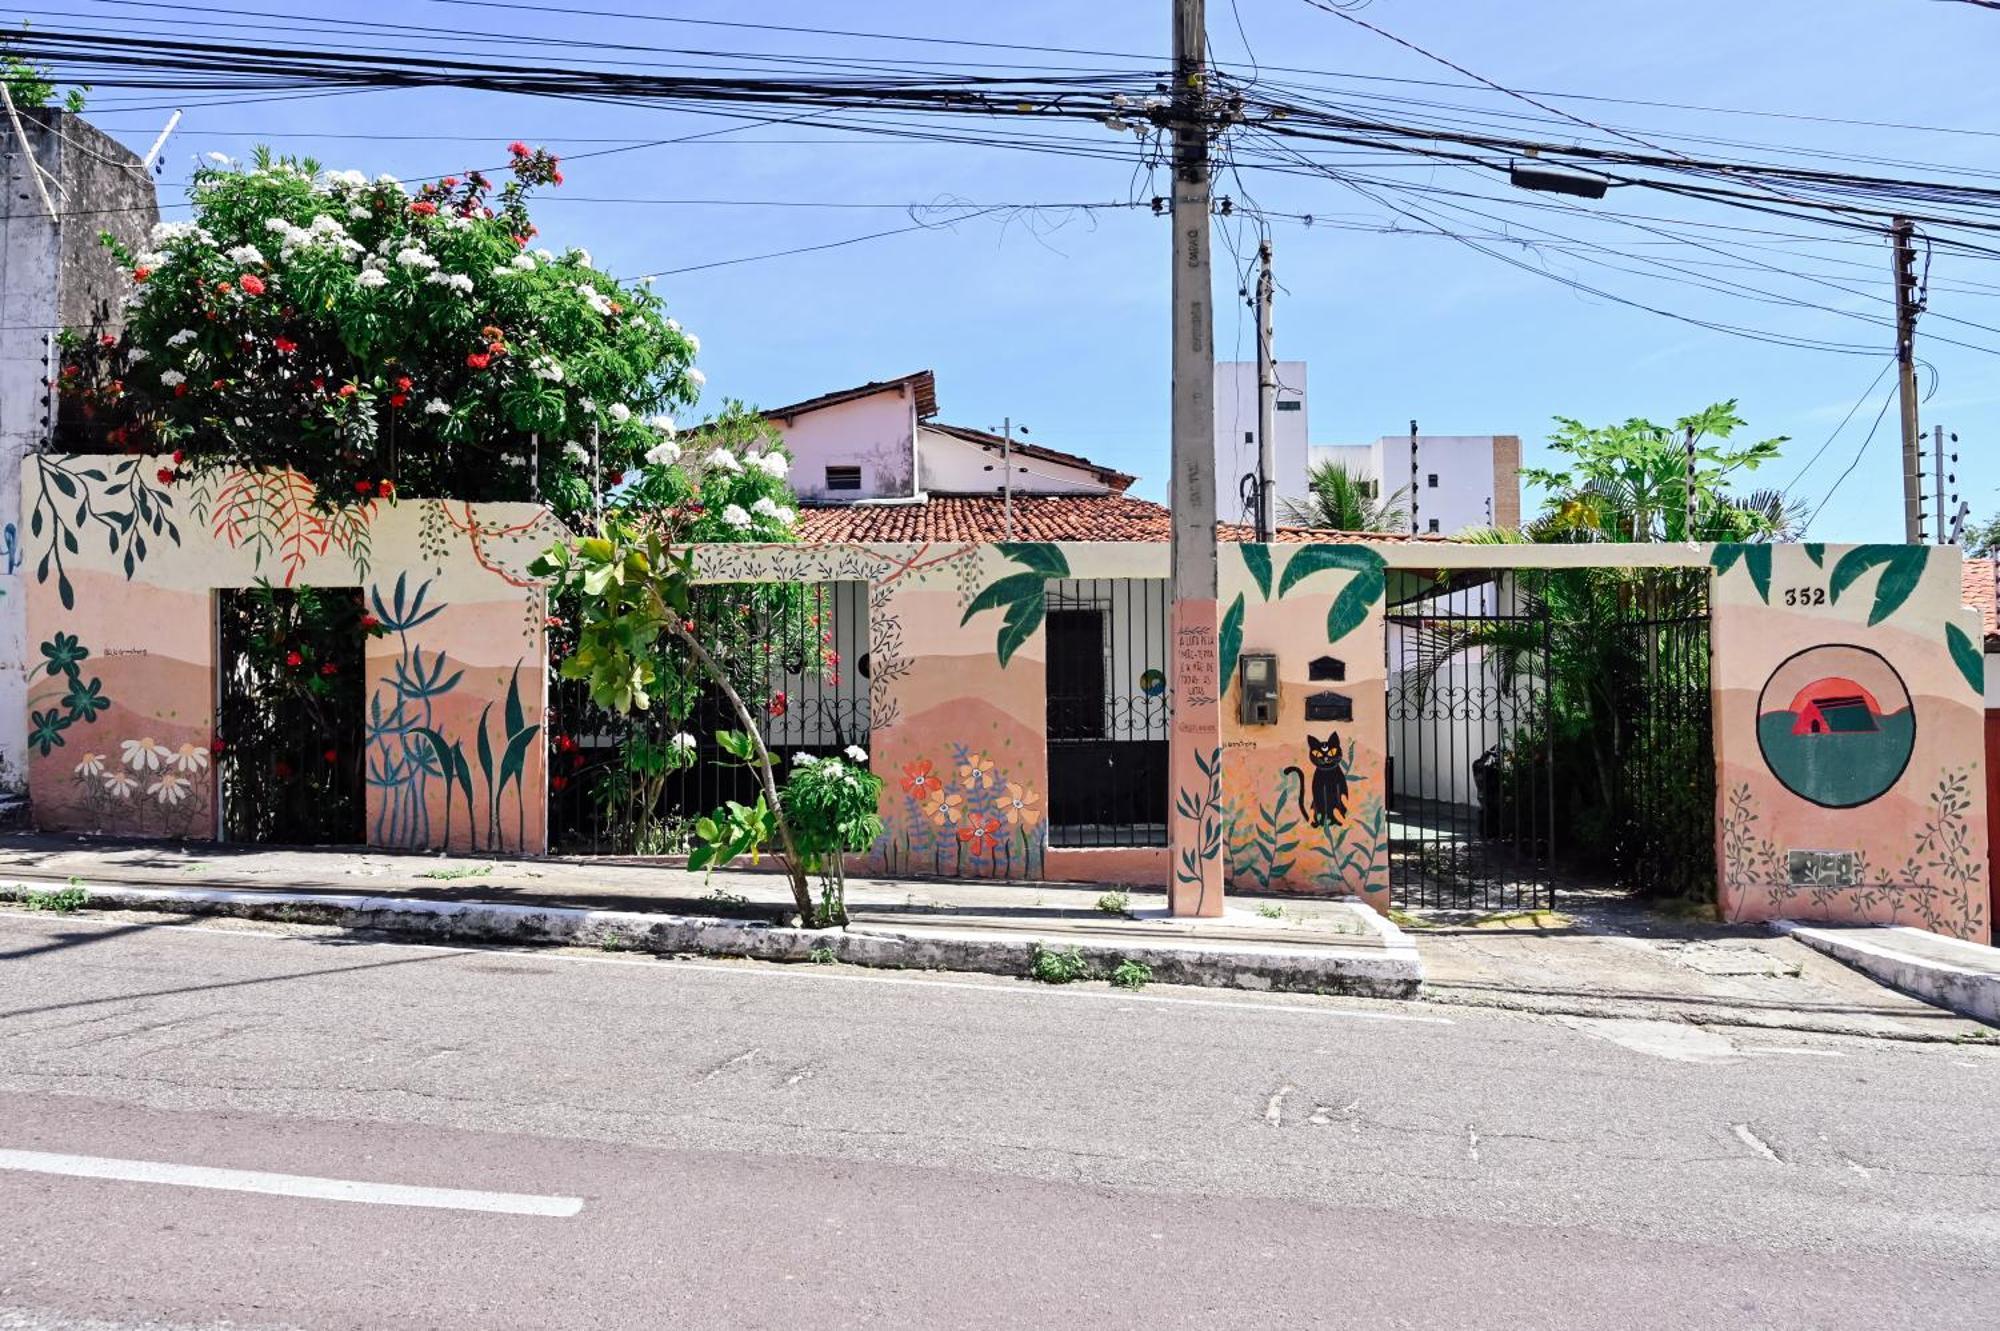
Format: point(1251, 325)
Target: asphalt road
point(715, 1145)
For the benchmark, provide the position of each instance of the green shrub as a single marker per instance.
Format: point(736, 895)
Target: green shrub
point(1114, 903)
point(1064, 967)
point(1130, 974)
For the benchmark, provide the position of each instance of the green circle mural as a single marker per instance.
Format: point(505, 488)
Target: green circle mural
point(1835, 725)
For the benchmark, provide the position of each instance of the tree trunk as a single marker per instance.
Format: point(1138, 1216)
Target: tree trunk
point(801, 891)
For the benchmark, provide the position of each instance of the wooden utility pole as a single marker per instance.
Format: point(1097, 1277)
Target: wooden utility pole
point(1267, 403)
point(1901, 236)
point(1194, 734)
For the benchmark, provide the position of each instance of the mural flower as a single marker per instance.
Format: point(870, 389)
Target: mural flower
point(1021, 806)
point(920, 783)
point(976, 772)
point(86, 700)
point(45, 731)
point(91, 766)
point(189, 758)
point(171, 788)
point(981, 833)
point(943, 809)
point(120, 784)
point(144, 755)
point(64, 653)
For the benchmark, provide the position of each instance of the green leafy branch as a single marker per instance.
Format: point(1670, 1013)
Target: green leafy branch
point(1022, 595)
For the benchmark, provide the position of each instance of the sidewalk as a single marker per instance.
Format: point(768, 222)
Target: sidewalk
point(1321, 946)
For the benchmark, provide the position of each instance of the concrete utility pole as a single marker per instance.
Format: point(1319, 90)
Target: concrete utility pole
point(1194, 736)
point(1007, 475)
point(1901, 236)
point(1267, 403)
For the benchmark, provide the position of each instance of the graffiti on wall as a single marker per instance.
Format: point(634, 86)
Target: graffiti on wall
point(965, 817)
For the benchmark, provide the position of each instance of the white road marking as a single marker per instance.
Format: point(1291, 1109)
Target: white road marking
point(1756, 1143)
point(1472, 1143)
point(787, 971)
point(287, 1185)
point(1802, 1053)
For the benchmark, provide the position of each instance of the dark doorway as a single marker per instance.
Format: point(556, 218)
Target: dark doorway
point(1107, 711)
point(1663, 745)
point(289, 715)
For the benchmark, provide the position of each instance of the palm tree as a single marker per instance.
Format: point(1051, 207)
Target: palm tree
point(1341, 499)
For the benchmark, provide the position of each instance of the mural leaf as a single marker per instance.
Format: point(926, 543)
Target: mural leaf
point(516, 756)
point(1965, 654)
point(1231, 641)
point(1902, 569)
point(1356, 599)
point(1725, 558)
point(1313, 559)
point(1024, 616)
point(1014, 587)
point(1257, 558)
point(1041, 556)
point(514, 715)
point(1757, 559)
point(1816, 552)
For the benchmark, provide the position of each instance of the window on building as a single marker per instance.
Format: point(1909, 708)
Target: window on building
point(1433, 526)
point(1368, 489)
point(1433, 481)
point(1249, 437)
point(843, 478)
point(1290, 404)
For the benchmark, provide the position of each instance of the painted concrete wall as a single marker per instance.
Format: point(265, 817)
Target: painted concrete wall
point(876, 433)
point(1849, 727)
point(958, 705)
point(53, 275)
point(958, 698)
point(121, 705)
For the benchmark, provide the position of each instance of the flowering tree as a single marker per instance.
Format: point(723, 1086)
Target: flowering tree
point(647, 638)
point(378, 341)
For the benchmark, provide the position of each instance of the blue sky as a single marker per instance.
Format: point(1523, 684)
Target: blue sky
point(1060, 320)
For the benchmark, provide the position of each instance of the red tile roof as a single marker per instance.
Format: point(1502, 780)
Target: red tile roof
point(1110, 476)
point(1112, 517)
point(1982, 593)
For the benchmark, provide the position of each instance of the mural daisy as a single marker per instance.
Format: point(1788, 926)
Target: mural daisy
point(171, 788)
point(91, 766)
point(144, 755)
point(120, 785)
point(189, 758)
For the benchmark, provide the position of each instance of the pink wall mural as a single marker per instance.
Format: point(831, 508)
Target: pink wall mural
point(126, 566)
point(1849, 742)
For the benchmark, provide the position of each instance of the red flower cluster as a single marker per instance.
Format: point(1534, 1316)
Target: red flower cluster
point(252, 284)
point(424, 207)
point(294, 660)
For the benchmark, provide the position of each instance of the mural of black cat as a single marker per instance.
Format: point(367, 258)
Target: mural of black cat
point(1329, 782)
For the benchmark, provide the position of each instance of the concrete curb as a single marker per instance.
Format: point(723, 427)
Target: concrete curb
point(1392, 970)
point(1970, 992)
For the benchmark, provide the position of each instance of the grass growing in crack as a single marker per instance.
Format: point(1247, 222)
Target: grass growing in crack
point(726, 900)
point(1130, 974)
point(1271, 910)
point(821, 956)
point(1064, 967)
point(459, 871)
point(1114, 903)
point(615, 942)
point(64, 901)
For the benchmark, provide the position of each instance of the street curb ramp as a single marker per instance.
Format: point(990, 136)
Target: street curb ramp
point(1390, 969)
point(1947, 972)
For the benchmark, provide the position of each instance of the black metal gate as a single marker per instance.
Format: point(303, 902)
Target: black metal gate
point(1663, 823)
point(805, 676)
point(1471, 800)
point(1107, 711)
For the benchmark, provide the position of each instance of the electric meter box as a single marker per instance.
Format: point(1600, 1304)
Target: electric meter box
point(1257, 688)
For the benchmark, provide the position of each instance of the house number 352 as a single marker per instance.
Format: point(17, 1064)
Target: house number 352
point(1805, 596)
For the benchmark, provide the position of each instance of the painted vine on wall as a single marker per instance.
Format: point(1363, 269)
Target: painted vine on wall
point(76, 503)
point(1023, 595)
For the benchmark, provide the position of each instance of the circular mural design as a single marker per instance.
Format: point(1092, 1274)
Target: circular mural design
point(1152, 683)
point(1835, 725)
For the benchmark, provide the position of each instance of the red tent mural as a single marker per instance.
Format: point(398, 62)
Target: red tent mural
point(1835, 706)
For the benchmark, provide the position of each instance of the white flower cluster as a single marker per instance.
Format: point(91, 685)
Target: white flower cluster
point(775, 465)
point(412, 257)
point(166, 233)
point(683, 741)
point(767, 507)
point(696, 377)
point(664, 424)
point(245, 255)
point(371, 276)
point(724, 460)
point(458, 282)
point(184, 336)
point(664, 454)
point(856, 754)
point(350, 179)
point(736, 517)
point(437, 406)
point(594, 298)
point(546, 367)
point(325, 232)
point(172, 378)
point(577, 452)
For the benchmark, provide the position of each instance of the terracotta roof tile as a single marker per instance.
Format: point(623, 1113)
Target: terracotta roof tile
point(1110, 517)
point(1977, 581)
